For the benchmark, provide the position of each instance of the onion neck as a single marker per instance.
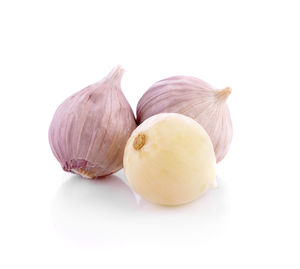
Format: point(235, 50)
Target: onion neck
point(223, 94)
point(115, 74)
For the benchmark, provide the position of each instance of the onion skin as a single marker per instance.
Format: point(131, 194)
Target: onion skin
point(194, 98)
point(89, 130)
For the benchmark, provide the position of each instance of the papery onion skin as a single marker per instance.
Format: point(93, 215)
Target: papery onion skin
point(89, 130)
point(194, 98)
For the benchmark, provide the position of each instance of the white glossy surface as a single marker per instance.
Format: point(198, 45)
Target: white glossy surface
point(51, 219)
point(172, 162)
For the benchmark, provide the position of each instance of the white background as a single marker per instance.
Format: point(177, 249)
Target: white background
point(51, 49)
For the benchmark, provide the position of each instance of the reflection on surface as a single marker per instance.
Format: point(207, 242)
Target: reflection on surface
point(107, 211)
